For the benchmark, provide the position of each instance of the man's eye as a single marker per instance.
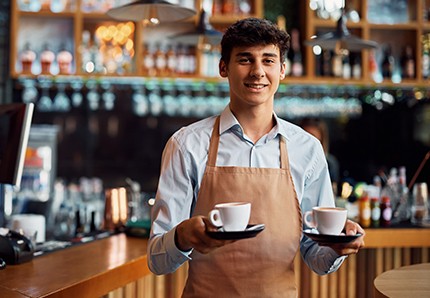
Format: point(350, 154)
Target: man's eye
point(269, 61)
point(243, 60)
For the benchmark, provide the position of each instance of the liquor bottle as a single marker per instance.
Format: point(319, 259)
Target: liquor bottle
point(171, 60)
point(182, 59)
point(373, 66)
point(64, 60)
point(326, 63)
point(388, 63)
point(346, 68)
point(336, 65)
point(27, 58)
point(425, 59)
point(46, 59)
point(160, 61)
point(408, 63)
point(191, 60)
point(295, 54)
point(386, 212)
point(148, 61)
point(281, 22)
point(87, 66)
point(356, 66)
point(365, 211)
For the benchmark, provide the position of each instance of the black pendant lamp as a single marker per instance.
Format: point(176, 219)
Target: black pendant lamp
point(203, 31)
point(151, 12)
point(341, 39)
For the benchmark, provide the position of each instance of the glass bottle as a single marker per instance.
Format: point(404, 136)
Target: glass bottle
point(64, 60)
point(87, 66)
point(326, 63)
point(27, 58)
point(375, 212)
point(365, 212)
point(386, 212)
point(295, 54)
point(46, 59)
point(356, 67)
point(191, 60)
point(160, 61)
point(171, 60)
point(373, 66)
point(388, 63)
point(408, 63)
point(281, 21)
point(425, 64)
point(346, 68)
point(337, 65)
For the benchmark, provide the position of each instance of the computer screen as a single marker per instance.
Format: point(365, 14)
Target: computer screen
point(15, 122)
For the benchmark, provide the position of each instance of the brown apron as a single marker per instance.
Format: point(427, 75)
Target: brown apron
point(257, 267)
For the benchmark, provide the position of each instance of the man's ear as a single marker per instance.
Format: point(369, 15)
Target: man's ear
point(222, 69)
point(283, 68)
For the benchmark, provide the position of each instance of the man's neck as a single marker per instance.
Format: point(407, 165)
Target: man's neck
point(255, 122)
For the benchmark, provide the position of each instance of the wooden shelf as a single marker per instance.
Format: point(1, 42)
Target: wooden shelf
point(80, 21)
point(396, 35)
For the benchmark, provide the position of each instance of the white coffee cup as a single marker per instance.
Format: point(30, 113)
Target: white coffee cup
point(327, 220)
point(231, 216)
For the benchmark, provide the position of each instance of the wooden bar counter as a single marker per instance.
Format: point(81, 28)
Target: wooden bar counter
point(86, 270)
point(117, 266)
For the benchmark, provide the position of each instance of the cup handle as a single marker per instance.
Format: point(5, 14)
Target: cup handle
point(309, 223)
point(215, 218)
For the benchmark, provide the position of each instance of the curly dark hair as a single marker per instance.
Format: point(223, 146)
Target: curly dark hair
point(254, 31)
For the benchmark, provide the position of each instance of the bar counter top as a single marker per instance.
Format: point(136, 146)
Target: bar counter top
point(96, 268)
point(86, 270)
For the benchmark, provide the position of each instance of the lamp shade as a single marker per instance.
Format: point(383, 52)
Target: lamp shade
point(341, 38)
point(202, 30)
point(142, 10)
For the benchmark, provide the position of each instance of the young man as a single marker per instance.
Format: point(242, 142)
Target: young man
point(245, 154)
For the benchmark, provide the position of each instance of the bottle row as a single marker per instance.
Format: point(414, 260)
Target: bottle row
point(383, 64)
point(160, 60)
point(378, 12)
point(216, 7)
point(111, 50)
point(388, 201)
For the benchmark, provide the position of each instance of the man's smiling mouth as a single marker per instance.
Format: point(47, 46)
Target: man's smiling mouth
point(256, 86)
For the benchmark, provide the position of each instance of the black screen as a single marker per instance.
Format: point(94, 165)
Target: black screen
point(15, 121)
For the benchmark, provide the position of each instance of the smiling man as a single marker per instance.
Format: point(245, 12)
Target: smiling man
point(245, 154)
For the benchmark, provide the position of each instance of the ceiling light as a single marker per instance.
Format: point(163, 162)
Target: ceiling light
point(341, 39)
point(203, 31)
point(151, 12)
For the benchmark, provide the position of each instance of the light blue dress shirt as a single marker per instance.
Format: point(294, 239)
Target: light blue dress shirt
point(183, 165)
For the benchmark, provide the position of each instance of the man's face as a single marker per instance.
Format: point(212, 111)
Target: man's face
point(254, 74)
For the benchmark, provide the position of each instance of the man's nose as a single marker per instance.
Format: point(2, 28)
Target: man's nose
point(257, 70)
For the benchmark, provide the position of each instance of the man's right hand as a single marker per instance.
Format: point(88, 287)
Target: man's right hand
point(191, 234)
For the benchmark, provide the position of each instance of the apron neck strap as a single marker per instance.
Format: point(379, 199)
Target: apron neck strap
point(213, 146)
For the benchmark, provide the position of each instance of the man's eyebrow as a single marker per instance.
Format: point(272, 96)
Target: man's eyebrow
point(249, 54)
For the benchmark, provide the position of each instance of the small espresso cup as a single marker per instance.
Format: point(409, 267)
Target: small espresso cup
point(327, 220)
point(231, 216)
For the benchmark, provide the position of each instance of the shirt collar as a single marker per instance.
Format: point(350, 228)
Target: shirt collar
point(229, 122)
